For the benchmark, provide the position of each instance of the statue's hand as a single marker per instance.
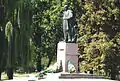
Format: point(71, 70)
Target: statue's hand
point(64, 18)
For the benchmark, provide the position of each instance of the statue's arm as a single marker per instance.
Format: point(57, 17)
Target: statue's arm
point(70, 15)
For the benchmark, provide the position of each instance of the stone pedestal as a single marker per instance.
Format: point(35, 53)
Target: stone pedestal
point(67, 52)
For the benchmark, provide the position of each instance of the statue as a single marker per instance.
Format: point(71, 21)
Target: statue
point(69, 27)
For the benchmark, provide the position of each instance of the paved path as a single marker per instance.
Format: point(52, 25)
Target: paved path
point(54, 77)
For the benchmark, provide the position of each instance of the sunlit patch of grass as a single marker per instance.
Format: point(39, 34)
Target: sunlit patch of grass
point(3, 73)
point(5, 78)
point(21, 75)
point(16, 75)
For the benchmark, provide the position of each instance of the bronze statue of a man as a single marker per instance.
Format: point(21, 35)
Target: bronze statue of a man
point(69, 27)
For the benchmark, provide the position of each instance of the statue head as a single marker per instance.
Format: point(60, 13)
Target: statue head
point(66, 6)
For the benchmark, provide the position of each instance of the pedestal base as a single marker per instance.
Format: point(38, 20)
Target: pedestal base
point(67, 52)
point(80, 75)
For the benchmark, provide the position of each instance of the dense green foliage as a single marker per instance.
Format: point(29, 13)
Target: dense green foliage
point(47, 29)
point(31, 29)
point(99, 37)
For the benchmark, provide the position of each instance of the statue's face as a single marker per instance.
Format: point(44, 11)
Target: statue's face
point(66, 7)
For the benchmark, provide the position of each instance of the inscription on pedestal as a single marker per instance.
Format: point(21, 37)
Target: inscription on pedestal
point(61, 49)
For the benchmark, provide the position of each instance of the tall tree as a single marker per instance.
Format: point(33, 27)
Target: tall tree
point(20, 15)
point(47, 28)
point(9, 35)
point(98, 30)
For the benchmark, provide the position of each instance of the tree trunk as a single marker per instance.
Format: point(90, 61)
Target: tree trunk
point(78, 64)
point(50, 60)
point(0, 74)
point(10, 73)
point(113, 74)
point(39, 62)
